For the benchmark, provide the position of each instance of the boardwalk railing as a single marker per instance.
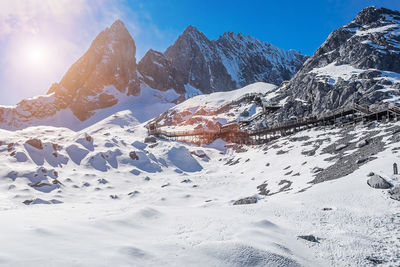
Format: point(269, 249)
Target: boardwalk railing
point(354, 111)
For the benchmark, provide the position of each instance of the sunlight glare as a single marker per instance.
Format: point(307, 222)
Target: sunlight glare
point(35, 55)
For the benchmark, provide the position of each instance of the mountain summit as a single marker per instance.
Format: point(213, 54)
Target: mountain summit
point(103, 74)
point(230, 62)
point(359, 62)
point(110, 60)
point(107, 76)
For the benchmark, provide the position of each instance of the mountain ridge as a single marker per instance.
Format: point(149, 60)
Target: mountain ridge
point(358, 62)
point(106, 76)
point(227, 63)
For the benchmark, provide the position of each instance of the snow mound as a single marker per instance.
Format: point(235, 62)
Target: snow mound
point(182, 158)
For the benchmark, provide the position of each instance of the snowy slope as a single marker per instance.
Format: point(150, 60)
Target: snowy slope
point(170, 203)
point(148, 104)
point(216, 100)
point(213, 110)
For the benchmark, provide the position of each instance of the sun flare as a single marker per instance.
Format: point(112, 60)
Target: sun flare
point(35, 55)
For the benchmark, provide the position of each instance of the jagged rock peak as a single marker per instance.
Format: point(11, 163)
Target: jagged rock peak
point(192, 33)
point(190, 29)
point(359, 62)
point(372, 14)
point(101, 78)
point(232, 61)
point(118, 25)
point(116, 33)
point(110, 61)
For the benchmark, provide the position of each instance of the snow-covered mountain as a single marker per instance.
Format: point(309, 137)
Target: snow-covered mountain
point(103, 81)
point(105, 193)
point(194, 64)
point(106, 79)
point(358, 62)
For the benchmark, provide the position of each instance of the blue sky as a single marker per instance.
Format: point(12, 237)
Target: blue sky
point(39, 40)
point(301, 25)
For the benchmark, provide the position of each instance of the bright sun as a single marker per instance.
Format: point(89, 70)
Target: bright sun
point(36, 55)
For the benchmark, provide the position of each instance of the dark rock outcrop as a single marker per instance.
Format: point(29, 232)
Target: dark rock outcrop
point(36, 143)
point(359, 62)
point(310, 238)
point(245, 201)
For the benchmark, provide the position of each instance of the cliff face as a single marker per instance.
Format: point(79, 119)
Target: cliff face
point(358, 62)
point(108, 68)
point(110, 60)
point(228, 63)
point(107, 74)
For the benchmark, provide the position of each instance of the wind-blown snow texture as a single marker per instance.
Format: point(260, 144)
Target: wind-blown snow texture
point(85, 199)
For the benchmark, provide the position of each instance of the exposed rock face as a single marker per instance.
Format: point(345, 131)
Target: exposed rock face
point(36, 143)
point(108, 68)
point(246, 201)
point(310, 238)
point(110, 60)
point(107, 73)
point(159, 72)
point(228, 63)
point(358, 62)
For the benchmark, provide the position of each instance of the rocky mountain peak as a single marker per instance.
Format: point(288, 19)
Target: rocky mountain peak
point(109, 61)
point(230, 62)
point(359, 62)
point(118, 25)
point(190, 29)
point(190, 38)
point(233, 36)
point(372, 14)
point(191, 32)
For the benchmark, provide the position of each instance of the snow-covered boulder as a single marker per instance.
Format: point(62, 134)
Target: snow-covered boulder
point(150, 139)
point(87, 142)
point(41, 201)
point(182, 159)
point(76, 153)
point(139, 145)
point(340, 147)
point(362, 143)
point(21, 156)
point(378, 182)
point(143, 161)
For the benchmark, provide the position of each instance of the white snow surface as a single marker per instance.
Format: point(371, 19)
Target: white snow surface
point(334, 71)
point(173, 208)
point(148, 104)
point(191, 91)
point(215, 100)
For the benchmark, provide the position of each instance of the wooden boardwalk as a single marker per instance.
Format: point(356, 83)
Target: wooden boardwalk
point(232, 133)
